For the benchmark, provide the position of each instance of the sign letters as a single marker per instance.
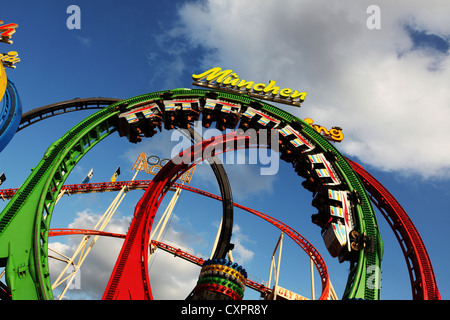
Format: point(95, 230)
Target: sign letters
point(227, 80)
point(6, 31)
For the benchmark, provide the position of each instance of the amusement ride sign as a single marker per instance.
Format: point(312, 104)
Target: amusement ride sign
point(7, 59)
point(229, 81)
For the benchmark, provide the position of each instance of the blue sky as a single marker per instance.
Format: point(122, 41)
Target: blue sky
point(385, 87)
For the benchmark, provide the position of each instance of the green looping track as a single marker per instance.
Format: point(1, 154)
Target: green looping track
point(25, 221)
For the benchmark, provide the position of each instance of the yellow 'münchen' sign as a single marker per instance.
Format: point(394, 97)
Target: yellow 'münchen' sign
point(229, 81)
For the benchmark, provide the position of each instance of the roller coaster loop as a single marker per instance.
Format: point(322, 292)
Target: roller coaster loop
point(129, 279)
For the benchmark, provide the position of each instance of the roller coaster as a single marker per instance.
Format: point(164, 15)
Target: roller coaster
point(25, 221)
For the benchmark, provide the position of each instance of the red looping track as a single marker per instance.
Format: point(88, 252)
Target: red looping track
point(423, 282)
point(129, 279)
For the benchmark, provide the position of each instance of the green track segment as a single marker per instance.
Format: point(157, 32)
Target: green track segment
point(369, 262)
point(25, 221)
point(362, 282)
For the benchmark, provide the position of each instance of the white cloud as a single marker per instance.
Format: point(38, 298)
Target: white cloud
point(391, 101)
point(172, 278)
point(240, 253)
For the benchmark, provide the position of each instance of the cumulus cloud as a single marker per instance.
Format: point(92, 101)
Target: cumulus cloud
point(388, 94)
point(241, 254)
point(172, 278)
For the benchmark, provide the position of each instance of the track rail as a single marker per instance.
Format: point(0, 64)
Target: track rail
point(54, 109)
point(70, 189)
point(423, 281)
point(310, 250)
point(78, 104)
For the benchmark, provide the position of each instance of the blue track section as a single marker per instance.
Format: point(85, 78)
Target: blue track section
point(10, 115)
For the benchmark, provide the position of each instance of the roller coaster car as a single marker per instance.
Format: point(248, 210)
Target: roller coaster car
point(335, 217)
point(303, 167)
point(292, 143)
point(317, 170)
point(257, 119)
point(140, 121)
point(224, 113)
point(323, 170)
point(181, 112)
point(311, 184)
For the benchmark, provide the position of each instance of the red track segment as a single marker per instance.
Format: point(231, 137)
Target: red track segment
point(129, 279)
point(423, 282)
point(89, 187)
point(69, 232)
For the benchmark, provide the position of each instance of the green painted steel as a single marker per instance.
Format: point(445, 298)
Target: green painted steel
point(363, 281)
point(24, 222)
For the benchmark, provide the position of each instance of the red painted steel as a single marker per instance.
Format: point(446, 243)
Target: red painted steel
point(69, 232)
point(423, 281)
point(89, 187)
point(129, 279)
